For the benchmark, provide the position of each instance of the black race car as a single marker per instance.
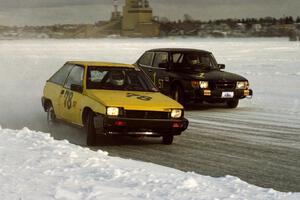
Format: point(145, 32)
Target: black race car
point(191, 75)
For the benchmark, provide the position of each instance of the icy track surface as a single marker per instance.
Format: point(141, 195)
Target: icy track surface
point(35, 166)
point(271, 65)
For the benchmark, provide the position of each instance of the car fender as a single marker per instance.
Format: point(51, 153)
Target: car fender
point(93, 105)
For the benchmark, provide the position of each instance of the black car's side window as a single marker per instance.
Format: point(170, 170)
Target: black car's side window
point(160, 58)
point(60, 76)
point(177, 57)
point(146, 59)
point(75, 77)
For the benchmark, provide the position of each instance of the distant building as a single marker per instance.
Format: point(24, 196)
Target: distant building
point(257, 27)
point(138, 19)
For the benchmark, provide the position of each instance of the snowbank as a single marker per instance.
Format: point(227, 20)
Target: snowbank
point(35, 166)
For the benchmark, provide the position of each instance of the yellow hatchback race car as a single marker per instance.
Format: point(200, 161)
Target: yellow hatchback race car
point(111, 98)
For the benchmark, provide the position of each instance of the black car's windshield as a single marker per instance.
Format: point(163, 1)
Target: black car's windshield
point(193, 61)
point(114, 78)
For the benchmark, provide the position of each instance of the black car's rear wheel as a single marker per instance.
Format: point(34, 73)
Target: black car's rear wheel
point(177, 94)
point(232, 103)
point(90, 129)
point(167, 139)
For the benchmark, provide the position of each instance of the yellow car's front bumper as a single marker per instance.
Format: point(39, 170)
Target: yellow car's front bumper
point(121, 125)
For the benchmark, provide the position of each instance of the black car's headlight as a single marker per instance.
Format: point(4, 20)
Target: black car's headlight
point(203, 84)
point(242, 85)
point(176, 113)
point(200, 84)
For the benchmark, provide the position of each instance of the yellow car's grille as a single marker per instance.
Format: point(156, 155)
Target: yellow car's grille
point(146, 114)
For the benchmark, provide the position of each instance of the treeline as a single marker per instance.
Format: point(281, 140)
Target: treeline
point(247, 27)
point(265, 20)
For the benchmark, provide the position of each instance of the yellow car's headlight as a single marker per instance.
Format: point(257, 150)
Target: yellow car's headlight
point(176, 113)
point(112, 111)
point(242, 85)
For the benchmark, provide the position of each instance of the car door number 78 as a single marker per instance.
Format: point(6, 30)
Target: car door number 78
point(68, 99)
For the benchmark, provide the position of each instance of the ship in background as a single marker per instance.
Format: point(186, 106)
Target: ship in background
point(138, 19)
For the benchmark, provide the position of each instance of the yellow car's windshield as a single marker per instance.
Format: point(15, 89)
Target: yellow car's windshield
point(114, 78)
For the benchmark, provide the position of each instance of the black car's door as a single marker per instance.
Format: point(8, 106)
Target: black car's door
point(145, 62)
point(155, 64)
point(160, 74)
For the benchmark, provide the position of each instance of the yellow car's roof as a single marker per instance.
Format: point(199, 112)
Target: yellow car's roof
point(100, 64)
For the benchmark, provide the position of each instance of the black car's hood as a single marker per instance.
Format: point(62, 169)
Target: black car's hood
point(214, 75)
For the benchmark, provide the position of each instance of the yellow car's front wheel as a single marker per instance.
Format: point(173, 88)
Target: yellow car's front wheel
point(90, 129)
point(167, 139)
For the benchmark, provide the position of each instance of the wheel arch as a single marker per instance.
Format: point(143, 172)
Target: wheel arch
point(85, 111)
point(175, 83)
point(46, 103)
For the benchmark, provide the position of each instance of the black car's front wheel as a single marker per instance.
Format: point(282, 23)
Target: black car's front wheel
point(232, 103)
point(90, 129)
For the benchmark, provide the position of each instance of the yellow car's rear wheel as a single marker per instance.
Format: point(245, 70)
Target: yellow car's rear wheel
point(51, 117)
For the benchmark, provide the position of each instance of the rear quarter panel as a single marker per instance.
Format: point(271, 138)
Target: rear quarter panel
point(52, 92)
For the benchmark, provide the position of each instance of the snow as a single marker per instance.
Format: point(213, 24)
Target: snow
point(35, 166)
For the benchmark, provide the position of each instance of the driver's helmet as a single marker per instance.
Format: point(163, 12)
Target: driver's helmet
point(193, 59)
point(117, 78)
point(164, 58)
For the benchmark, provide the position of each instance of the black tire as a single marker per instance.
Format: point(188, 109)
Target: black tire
point(177, 94)
point(51, 117)
point(232, 103)
point(167, 139)
point(90, 129)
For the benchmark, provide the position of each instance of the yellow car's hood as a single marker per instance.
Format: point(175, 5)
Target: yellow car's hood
point(134, 100)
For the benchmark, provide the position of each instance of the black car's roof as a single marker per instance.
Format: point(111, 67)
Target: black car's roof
point(179, 50)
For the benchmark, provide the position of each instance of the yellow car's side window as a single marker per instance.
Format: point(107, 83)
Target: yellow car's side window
point(75, 77)
point(60, 76)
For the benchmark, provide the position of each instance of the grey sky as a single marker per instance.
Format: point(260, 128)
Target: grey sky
point(39, 12)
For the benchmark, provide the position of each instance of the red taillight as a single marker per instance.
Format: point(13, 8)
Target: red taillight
point(120, 123)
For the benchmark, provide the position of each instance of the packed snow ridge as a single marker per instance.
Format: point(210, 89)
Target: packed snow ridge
point(35, 166)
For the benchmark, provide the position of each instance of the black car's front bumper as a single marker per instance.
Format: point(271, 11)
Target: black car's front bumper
point(207, 94)
point(126, 126)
